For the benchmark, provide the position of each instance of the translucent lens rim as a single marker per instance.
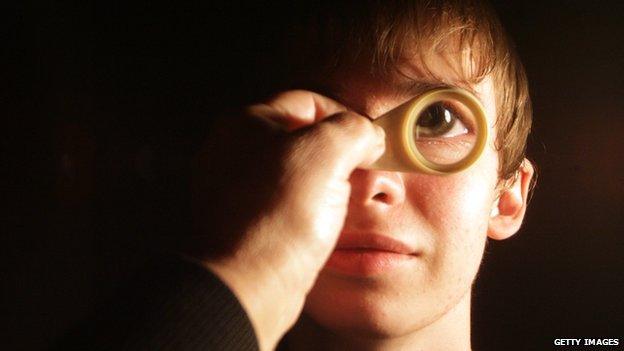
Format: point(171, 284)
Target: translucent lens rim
point(419, 105)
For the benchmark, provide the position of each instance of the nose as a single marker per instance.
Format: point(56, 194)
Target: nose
point(374, 188)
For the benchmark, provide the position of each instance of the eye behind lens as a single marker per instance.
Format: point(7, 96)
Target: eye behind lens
point(443, 132)
point(436, 120)
point(441, 120)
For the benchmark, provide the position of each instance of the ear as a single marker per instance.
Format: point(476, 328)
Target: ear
point(509, 208)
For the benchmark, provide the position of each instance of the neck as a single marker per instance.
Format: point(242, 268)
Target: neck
point(450, 332)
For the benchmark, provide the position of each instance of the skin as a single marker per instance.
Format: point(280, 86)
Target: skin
point(322, 189)
point(445, 217)
point(268, 236)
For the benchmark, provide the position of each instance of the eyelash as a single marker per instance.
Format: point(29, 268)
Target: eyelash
point(460, 113)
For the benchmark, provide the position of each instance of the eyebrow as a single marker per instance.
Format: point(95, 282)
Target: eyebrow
point(413, 88)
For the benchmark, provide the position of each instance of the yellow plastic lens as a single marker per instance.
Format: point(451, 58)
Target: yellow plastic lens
point(440, 132)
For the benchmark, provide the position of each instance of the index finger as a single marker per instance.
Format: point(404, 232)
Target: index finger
point(294, 109)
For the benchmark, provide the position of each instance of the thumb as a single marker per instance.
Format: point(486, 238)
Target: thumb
point(320, 162)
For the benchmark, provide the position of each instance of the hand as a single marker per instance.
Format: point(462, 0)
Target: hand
point(271, 196)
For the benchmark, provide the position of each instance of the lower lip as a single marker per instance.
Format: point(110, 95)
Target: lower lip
point(366, 262)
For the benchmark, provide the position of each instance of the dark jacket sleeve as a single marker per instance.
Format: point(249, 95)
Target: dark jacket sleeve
point(175, 305)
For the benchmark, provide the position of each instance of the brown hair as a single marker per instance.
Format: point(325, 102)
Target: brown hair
point(468, 34)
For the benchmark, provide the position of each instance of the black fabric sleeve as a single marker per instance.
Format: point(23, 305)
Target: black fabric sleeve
point(175, 305)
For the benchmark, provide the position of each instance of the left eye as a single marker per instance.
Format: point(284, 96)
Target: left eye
point(439, 121)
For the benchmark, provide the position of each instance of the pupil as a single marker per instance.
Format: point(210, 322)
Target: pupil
point(432, 117)
point(435, 120)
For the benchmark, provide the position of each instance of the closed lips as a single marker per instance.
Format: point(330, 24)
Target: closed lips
point(374, 242)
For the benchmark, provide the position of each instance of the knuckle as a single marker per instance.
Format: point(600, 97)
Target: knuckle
point(344, 128)
point(328, 135)
point(284, 97)
point(354, 125)
point(341, 132)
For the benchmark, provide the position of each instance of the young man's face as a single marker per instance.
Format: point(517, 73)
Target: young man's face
point(443, 220)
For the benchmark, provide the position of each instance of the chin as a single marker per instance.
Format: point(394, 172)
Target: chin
point(379, 308)
point(360, 324)
point(368, 312)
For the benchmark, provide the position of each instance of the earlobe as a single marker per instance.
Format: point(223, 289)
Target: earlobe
point(509, 208)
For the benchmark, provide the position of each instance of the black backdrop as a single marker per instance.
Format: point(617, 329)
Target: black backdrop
point(104, 102)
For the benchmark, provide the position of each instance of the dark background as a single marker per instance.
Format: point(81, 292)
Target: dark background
point(105, 102)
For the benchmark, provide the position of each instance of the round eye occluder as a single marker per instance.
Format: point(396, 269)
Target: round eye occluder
point(441, 131)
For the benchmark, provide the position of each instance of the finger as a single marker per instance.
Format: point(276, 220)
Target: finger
point(294, 109)
point(342, 142)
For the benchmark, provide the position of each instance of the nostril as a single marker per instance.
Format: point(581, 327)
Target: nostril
point(383, 197)
point(376, 188)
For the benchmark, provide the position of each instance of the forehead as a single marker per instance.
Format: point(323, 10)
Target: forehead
point(372, 94)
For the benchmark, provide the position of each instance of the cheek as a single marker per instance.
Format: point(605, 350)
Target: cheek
point(454, 209)
point(450, 203)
